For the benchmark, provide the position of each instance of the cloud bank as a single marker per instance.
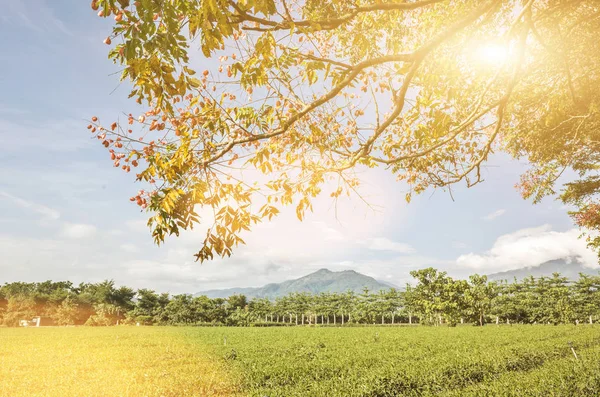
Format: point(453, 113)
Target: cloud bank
point(530, 247)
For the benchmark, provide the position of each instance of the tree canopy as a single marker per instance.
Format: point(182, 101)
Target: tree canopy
point(304, 93)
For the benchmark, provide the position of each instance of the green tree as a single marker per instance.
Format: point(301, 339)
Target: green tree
point(67, 312)
point(480, 297)
point(149, 307)
point(261, 307)
point(19, 307)
point(427, 296)
point(237, 301)
point(105, 314)
point(3, 303)
point(411, 302)
point(558, 300)
point(453, 302)
point(348, 303)
point(237, 310)
point(304, 305)
point(113, 302)
point(179, 310)
point(586, 297)
point(365, 308)
point(218, 311)
point(240, 317)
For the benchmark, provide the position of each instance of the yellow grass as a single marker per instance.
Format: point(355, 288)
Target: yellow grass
point(115, 361)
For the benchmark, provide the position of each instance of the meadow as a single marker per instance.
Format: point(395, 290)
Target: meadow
point(301, 361)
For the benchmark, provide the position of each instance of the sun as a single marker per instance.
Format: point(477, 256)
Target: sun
point(492, 54)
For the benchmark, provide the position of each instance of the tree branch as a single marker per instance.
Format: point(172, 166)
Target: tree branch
point(327, 24)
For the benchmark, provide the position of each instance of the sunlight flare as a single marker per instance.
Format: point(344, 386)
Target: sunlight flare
point(492, 54)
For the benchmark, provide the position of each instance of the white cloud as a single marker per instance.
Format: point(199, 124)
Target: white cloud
point(385, 244)
point(46, 212)
point(493, 215)
point(530, 247)
point(78, 230)
point(131, 248)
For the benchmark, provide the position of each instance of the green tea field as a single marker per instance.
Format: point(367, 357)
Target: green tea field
point(366, 361)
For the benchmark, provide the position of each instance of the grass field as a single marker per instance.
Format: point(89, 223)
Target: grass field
point(369, 361)
point(115, 361)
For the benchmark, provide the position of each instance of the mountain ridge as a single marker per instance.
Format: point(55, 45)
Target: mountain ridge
point(323, 280)
point(567, 268)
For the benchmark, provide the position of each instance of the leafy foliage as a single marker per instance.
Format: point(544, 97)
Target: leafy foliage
point(66, 312)
point(303, 93)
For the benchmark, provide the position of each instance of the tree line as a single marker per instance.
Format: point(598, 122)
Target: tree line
point(433, 299)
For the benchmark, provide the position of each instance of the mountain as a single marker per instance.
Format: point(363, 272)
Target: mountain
point(320, 281)
point(569, 269)
point(390, 285)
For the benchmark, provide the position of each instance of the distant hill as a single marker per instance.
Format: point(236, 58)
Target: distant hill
point(390, 285)
point(320, 281)
point(570, 270)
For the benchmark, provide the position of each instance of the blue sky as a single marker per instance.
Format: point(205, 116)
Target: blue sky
point(66, 214)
